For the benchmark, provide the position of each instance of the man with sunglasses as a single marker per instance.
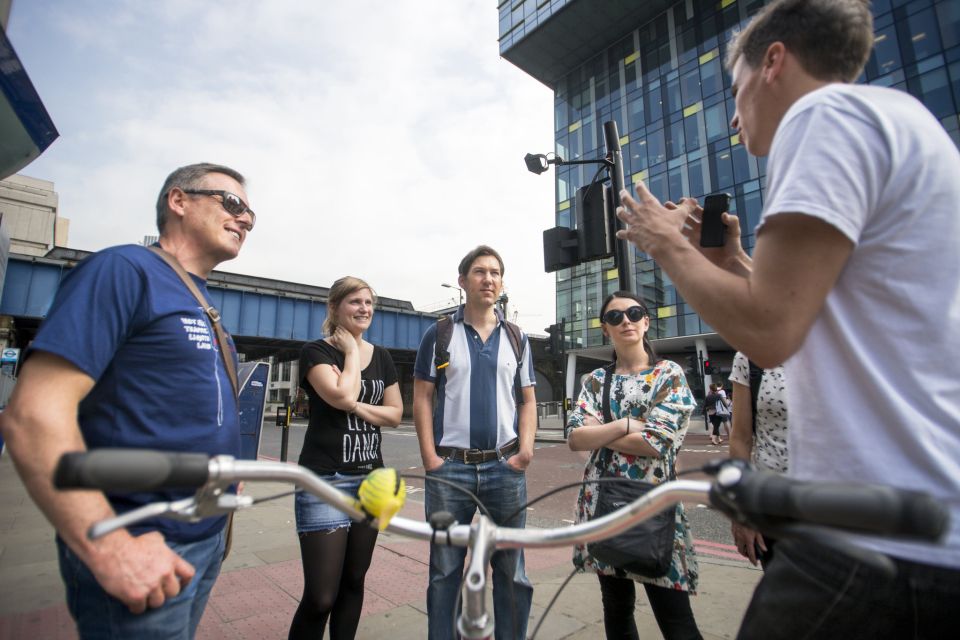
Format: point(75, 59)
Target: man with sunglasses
point(854, 285)
point(480, 437)
point(126, 357)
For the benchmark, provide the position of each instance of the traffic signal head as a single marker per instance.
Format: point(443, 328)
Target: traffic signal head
point(554, 344)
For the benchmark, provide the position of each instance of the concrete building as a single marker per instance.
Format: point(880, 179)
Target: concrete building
point(655, 68)
point(29, 207)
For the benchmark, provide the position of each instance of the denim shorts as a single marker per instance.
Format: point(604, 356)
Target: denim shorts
point(313, 514)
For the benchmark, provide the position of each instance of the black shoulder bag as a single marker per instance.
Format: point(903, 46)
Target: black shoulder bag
point(647, 548)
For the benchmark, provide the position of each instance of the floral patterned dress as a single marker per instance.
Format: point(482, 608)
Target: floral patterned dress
point(659, 398)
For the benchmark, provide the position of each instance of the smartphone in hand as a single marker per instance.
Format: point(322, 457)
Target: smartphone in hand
point(712, 230)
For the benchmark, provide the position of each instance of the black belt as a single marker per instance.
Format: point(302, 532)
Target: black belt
point(476, 456)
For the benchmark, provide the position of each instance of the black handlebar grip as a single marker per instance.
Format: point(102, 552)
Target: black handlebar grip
point(863, 508)
point(129, 470)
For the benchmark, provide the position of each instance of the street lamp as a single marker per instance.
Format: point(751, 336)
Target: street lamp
point(452, 286)
point(564, 247)
point(539, 162)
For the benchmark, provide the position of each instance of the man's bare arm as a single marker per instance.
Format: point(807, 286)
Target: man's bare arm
point(39, 425)
point(423, 420)
point(766, 315)
point(526, 429)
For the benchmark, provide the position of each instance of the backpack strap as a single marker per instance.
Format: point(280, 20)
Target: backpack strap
point(441, 353)
point(756, 377)
point(211, 312)
point(515, 335)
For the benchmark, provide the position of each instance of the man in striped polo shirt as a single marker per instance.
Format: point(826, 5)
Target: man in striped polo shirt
point(479, 437)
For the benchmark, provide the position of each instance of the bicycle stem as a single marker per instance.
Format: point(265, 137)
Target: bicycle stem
point(474, 622)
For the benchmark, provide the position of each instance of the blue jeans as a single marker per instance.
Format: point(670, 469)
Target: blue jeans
point(100, 615)
point(502, 490)
point(810, 591)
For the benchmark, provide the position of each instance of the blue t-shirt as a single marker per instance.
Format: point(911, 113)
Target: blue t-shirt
point(125, 318)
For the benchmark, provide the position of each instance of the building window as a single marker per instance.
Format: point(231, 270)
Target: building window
point(919, 36)
point(715, 121)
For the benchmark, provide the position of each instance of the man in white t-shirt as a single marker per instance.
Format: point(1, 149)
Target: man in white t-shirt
point(854, 285)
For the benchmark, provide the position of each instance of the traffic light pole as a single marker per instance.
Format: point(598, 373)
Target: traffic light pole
point(703, 385)
point(622, 251)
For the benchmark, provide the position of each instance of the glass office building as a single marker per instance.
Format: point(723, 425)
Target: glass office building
point(656, 68)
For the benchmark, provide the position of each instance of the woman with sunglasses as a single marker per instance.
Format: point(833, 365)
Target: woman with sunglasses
point(650, 404)
point(353, 391)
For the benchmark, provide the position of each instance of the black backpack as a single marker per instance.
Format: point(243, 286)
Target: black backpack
point(441, 354)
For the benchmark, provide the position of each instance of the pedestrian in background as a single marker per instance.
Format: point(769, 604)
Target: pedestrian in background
point(353, 391)
point(726, 417)
point(650, 404)
point(759, 436)
point(716, 407)
point(127, 357)
point(480, 436)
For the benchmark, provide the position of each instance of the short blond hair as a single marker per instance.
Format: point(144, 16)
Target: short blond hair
point(338, 293)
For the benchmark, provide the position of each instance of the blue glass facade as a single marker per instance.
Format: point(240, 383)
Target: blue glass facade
point(665, 85)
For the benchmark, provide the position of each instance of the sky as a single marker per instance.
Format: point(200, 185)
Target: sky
point(379, 139)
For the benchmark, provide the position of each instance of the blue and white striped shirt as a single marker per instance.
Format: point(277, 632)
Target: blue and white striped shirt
point(476, 406)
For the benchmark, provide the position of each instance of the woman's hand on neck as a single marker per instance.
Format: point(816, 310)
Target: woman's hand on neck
point(345, 341)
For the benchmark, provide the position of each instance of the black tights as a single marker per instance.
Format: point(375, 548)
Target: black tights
point(335, 564)
point(670, 607)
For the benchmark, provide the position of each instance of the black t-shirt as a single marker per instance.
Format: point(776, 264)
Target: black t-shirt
point(335, 440)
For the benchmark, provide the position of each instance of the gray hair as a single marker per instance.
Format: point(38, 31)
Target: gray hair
point(189, 177)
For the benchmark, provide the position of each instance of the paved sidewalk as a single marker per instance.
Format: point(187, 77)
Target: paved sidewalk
point(261, 582)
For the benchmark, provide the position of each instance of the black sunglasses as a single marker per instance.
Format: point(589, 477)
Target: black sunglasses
point(615, 316)
point(231, 202)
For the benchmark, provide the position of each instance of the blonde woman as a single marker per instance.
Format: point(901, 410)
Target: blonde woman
point(353, 391)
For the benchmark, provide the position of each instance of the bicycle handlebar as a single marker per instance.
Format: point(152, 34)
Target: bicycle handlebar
point(127, 470)
point(760, 498)
point(767, 499)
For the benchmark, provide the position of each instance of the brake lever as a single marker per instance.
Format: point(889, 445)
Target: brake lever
point(192, 509)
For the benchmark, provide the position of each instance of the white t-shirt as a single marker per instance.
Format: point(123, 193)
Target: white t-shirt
point(874, 392)
point(769, 449)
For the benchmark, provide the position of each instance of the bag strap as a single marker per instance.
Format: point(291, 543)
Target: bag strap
point(605, 399)
point(516, 341)
point(441, 355)
point(211, 312)
point(756, 377)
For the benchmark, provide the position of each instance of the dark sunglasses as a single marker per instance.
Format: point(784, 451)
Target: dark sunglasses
point(231, 202)
point(615, 316)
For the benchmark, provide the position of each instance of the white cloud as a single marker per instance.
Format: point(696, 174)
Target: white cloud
point(380, 139)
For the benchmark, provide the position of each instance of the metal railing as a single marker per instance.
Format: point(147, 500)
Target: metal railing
point(550, 416)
